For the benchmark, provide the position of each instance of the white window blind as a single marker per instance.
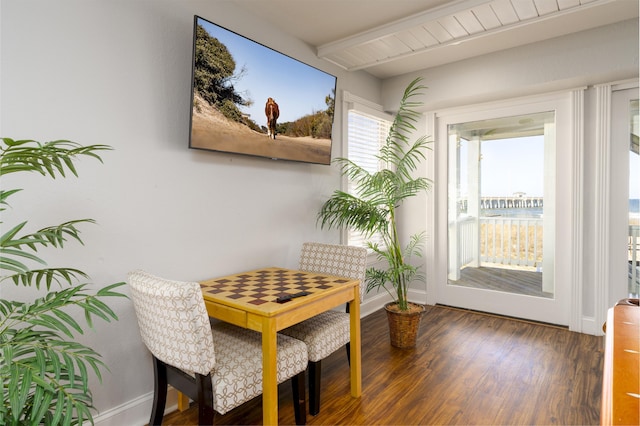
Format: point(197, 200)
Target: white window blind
point(366, 134)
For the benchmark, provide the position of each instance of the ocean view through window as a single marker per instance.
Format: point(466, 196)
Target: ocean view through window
point(499, 181)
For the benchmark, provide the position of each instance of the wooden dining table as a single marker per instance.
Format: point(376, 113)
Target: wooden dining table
point(270, 299)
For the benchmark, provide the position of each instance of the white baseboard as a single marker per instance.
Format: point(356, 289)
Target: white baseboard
point(589, 326)
point(135, 412)
point(372, 304)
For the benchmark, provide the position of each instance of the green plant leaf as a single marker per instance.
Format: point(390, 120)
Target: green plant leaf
point(10, 234)
point(68, 319)
point(371, 209)
point(41, 404)
point(36, 277)
point(13, 265)
point(51, 322)
point(44, 371)
point(4, 195)
point(58, 409)
point(47, 159)
point(8, 252)
point(107, 291)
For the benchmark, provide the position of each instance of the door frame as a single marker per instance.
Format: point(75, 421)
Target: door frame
point(606, 295)
point(569, 107)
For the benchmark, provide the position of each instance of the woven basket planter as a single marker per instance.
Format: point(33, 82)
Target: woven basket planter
point(403, 326)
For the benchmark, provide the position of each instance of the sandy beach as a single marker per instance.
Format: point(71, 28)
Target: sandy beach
point(210, 130)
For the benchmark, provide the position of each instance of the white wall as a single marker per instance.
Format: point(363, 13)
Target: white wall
point(118, 73)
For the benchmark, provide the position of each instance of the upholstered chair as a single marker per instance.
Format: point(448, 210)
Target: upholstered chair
point(216, 364)
point(327, 332)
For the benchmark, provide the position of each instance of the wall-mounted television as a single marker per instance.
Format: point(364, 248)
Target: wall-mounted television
point(250, 99)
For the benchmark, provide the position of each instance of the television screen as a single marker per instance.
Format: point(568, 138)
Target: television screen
point(250, 99)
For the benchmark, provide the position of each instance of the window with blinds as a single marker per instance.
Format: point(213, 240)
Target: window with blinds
point(366, 134)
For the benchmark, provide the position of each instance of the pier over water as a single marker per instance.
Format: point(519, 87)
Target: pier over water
point(506, 203)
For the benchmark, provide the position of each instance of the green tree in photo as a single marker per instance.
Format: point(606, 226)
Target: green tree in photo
point(215, 73)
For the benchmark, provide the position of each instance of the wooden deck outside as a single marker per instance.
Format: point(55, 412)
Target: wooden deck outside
point(501, 279)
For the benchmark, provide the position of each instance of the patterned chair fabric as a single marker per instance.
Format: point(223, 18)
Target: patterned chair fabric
point(335, 259)
point(176, 329)
point(323, 334)
point(237, 376)
point(327, 332)
point(173, 322)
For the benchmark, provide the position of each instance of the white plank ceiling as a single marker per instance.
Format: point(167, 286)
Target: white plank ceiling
point(447, 25)
point(392, 37)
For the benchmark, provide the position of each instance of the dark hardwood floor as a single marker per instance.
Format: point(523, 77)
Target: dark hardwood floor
point(468, 368)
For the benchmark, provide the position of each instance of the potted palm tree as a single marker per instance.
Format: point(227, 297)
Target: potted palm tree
point(372, 210)
point(44, 371)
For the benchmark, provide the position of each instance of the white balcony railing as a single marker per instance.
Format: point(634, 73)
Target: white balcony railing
point(518, 242)
point(511, 241)
point(502, 240)
point(466, 241)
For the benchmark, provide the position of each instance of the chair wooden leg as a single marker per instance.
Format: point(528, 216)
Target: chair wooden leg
point(314, 387)
point(348, 345)
point(159, 392)
point(299, 399)
point(205, 399)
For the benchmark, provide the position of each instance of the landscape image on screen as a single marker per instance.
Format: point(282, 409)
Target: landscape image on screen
point(250, 99)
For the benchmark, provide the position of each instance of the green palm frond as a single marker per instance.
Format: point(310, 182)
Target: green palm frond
point(4, 195)
point(403, 124)
point(415, 246)
point(347, 210)
point(15, 250)
point(39, 363)
point(44, 372)
point(350, 169)
point(47, 276)
point(373, 209)
point(55, 236)
point(51, 158)
point(406, 165)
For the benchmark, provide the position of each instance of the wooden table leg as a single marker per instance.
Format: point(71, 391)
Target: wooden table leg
point(183, 401)
point(269, 373)
point(356, 367)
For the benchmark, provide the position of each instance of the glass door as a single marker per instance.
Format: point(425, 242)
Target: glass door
point(497, 178)
point(625, 196)
point(505, 222)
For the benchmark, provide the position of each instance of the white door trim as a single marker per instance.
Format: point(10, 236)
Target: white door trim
point(603, 291)
point(602, 221)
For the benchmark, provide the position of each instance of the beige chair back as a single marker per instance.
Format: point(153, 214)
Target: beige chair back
point(173, 321)
point(335, 259)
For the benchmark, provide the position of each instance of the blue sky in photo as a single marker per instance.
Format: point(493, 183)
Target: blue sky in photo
point(517, 165)
point(513, 165)
point(509, 166)
point(297, 88)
